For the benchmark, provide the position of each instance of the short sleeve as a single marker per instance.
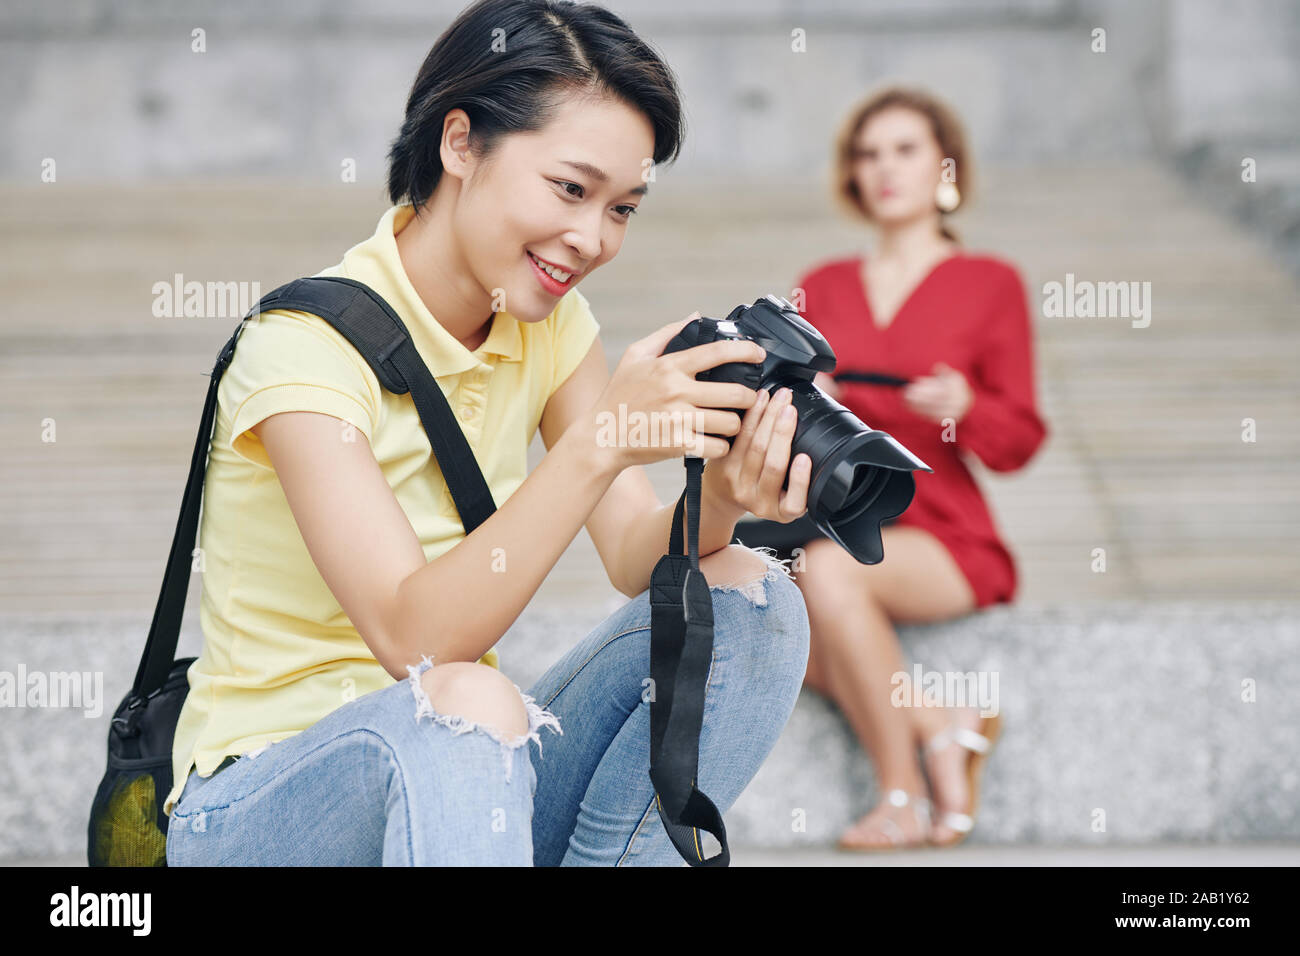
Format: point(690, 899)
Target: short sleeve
point(1003, 425)
point(575, 328)
point(295, 362)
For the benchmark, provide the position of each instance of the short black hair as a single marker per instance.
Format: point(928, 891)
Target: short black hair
point(507, 63)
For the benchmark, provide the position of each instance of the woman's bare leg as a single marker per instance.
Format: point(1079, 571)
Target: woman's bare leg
point(855, 654)
point(911, 600)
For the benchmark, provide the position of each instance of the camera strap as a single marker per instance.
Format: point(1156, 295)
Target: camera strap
point(681, 651)
point(369, 323)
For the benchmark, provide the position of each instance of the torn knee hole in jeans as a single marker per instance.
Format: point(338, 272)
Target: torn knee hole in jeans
point(756, 590)
point(538, 717)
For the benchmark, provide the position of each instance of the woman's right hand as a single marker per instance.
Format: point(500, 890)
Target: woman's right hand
point(653, 408)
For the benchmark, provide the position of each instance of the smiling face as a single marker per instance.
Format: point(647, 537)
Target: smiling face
point(557, 199)
point(897, 166)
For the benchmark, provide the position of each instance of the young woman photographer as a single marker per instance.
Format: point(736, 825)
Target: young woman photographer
point(347, 707)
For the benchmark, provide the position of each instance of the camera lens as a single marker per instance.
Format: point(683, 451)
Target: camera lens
point(860, 476)
point(868, 483)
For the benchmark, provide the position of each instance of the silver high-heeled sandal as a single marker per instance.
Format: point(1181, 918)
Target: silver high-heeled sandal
point(980, 746)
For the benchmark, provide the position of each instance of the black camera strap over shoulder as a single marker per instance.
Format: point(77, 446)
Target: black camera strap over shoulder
point(127, 825)
point(367, 321)
point(681, 642)
point(681, 652)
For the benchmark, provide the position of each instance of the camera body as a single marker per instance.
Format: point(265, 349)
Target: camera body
point(860, 476)
point(796, 351)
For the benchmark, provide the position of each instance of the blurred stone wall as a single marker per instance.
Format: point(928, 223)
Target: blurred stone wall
point(114, 90)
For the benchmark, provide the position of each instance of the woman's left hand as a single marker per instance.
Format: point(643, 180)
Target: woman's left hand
point(749, 477)
point(945, 394)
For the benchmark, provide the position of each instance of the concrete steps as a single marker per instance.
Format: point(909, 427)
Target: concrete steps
point(1131, 707)
point(1134, 708)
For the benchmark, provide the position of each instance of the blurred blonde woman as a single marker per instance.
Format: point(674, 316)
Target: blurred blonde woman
point(953, 324)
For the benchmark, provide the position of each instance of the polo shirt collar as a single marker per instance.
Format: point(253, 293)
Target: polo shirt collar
point(376, 262)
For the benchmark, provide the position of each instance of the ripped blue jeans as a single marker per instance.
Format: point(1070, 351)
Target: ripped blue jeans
point(375, 782)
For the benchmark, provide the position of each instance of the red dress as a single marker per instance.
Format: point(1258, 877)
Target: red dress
point(969, 313)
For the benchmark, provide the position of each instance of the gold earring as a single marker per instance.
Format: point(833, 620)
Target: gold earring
point(946, 196)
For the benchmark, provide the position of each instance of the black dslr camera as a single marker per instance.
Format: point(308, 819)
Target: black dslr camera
point(860, 476)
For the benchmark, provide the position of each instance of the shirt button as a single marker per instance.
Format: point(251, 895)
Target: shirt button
point(466, 413)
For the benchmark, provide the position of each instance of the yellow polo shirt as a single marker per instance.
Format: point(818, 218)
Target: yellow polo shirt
point(278, 652)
